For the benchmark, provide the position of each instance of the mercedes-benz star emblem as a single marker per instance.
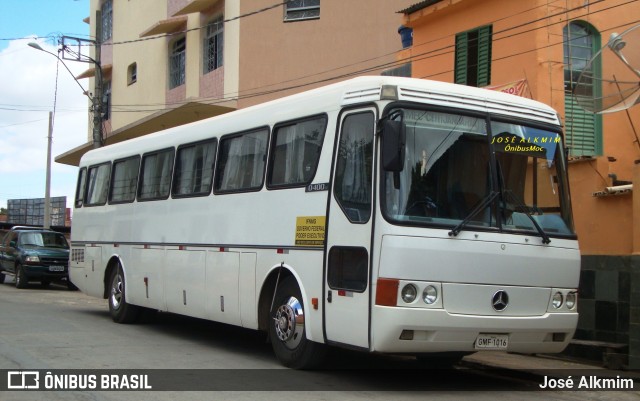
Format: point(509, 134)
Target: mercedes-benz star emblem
point(500, 301)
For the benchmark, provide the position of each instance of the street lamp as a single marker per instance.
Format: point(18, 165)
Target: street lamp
point(97, 128)
point(47, 189)
point(38, 47)
point(96, 100)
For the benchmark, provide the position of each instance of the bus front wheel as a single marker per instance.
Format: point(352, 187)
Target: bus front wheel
point(120, 310)
point(287, 331)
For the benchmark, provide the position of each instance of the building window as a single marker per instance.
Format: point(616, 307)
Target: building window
point(213, 45)
point(583, 128)
point(107, 20)
point(177, 63)
point(295, 10)
point(473, 57)
point(132, 73)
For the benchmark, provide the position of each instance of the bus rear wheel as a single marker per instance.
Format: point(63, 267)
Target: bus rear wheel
point(120, 310)
point(287, 329)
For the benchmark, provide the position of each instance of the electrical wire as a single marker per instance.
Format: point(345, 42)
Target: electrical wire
point(416, 57)
point(234, 96)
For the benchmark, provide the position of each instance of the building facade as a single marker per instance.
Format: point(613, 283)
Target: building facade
point(538, 49)
point(170, 62)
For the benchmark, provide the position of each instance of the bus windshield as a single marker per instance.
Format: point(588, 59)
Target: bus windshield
point(449, 177)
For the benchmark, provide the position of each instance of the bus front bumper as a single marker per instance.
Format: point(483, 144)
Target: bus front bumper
point(413, 330)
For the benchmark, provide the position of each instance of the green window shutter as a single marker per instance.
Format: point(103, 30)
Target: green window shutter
point(484, 55)
point(579, 125)
point(583, 129)
point(461, 58)
point(473, 57)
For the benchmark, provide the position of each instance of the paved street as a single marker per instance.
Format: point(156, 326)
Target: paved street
point(57, 329)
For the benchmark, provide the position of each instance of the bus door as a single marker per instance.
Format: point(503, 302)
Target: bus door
point(347, 272)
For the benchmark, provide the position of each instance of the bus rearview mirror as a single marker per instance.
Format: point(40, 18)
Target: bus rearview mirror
point(393, 141)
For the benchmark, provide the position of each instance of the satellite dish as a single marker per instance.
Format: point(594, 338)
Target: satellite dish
point(611, 79)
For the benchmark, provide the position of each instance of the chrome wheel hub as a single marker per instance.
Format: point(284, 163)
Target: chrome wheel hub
point(289, 323)
point(116, 291)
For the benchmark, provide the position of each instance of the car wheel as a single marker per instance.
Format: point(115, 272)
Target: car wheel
point(1, 278)
point(21, 277)
point(120, 310)
point(287, 331)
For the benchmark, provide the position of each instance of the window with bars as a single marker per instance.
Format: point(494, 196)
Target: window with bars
point(177, 63)
point(132, 73)
point(583, 129)
point(107, 20)
point(473, 57)
point(213, 45)
point(296, 10)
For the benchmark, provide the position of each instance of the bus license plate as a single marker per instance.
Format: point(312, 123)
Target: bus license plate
point(56, 268)
point(492, 341)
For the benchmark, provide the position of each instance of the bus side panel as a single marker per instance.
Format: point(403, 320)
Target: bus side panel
point(222, 275)
point(94, 271)
point(248, 310)
point(146, 280)
point(184, 272)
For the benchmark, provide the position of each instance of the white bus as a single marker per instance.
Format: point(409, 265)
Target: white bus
point(382, 214)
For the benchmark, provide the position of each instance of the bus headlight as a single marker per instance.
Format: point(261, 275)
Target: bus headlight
point(409, 293)
point(557, 300)
point(572, 297)
point(430, 295)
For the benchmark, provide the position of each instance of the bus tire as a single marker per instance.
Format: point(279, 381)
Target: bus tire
point(287, 331)
point(120, 310)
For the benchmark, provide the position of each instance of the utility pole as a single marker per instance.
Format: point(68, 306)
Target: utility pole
point(47, 189)
point(97, 95)
point(70, 43)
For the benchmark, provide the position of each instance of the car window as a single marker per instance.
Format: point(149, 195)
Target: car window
point(44, 239)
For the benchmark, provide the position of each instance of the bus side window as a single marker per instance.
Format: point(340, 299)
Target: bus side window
point(352, 187)
point(194, 169)
point(348, 268)
point(125, 180)
point(82, 176)
point(155, 179)
point(98, 185)
point(295, 151)
point(242, 162)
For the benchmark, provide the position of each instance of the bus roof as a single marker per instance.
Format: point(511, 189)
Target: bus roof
point(332, 97)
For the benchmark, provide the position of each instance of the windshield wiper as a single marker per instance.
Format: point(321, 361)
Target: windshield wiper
point(485, 202)
point(525, 210)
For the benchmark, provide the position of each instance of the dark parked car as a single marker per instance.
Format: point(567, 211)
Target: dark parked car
point(34, 255)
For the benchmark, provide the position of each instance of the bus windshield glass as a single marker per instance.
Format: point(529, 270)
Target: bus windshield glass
point(449, 176)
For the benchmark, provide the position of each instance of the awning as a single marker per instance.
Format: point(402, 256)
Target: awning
point(195, 6)
point(169, 118)
point(165, 26)
point(91, 72)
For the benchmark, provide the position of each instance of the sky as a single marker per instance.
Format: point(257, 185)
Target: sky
point(27, 93)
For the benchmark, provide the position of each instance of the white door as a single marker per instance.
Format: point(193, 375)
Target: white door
point(347, 271)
